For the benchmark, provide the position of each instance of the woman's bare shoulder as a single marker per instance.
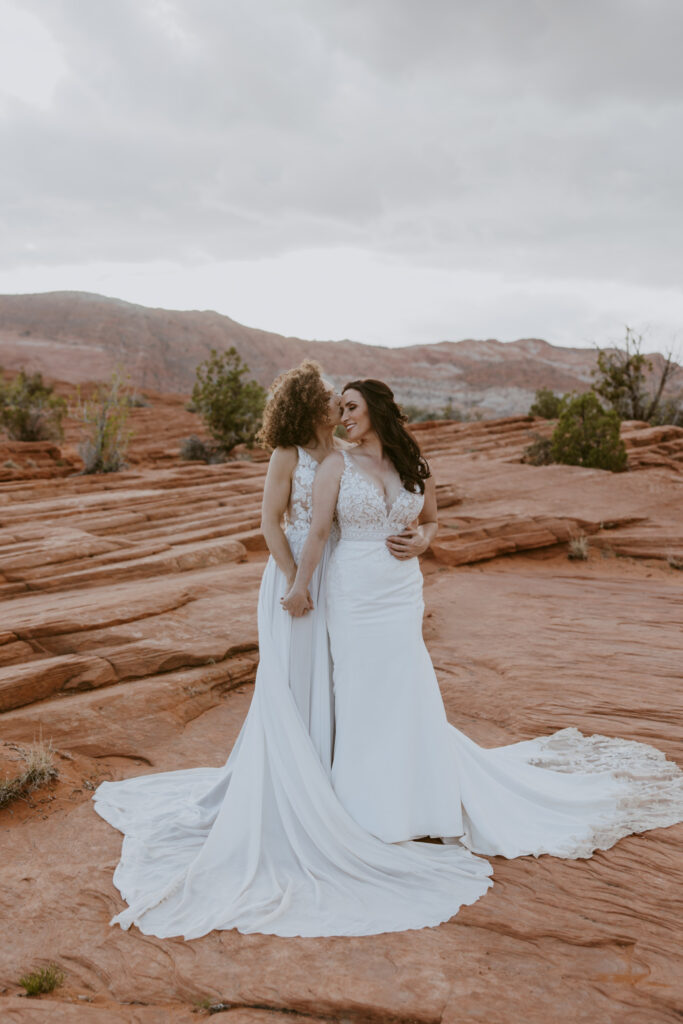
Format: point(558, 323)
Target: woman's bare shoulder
point(332, 466)
point(282, 463)
point(284, 457)
point(342, 445)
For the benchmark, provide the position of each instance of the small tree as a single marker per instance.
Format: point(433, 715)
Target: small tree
point(546, 404)
point(623, 378)
point(230, 406)
point(29, 408)
point(588, 435)
point(105, 416)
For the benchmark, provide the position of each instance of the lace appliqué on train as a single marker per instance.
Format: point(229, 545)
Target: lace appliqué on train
point(652, 786)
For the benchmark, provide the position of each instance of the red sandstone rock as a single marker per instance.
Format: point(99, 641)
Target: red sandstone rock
point(523, 644)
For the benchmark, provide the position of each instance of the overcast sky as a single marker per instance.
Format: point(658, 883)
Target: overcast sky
point(392, 171)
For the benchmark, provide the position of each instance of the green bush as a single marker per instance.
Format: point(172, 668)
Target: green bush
point(29, 408)
point(105, 417)
point(588, 435)
point(230, 406)
point(546, 404)
point(539, 452)
point(193, 449)
point(44, 979)
point(422, 414)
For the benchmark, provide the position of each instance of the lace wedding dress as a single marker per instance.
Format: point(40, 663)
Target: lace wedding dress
point(402, 771)
point(262, 844)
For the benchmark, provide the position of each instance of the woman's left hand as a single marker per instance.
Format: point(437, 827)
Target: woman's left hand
point(408, 544)
point(297, 602)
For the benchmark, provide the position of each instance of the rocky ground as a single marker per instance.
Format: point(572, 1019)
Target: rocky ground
point(128, 640)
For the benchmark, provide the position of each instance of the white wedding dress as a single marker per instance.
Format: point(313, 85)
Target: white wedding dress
point(262, 844)
point(403, 772)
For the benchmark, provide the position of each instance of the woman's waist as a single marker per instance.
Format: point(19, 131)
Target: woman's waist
point(368, 535)
point(297, 535)
point(370, 553)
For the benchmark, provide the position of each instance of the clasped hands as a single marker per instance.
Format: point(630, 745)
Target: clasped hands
point(297, 602)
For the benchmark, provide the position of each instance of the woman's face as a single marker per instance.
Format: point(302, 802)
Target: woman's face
point(334, 405)
point(355, 416)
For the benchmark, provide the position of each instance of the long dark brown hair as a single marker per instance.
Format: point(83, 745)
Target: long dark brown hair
point(388, 421)
point(297, 404)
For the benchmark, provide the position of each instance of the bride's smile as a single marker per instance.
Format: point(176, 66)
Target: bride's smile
point(355, 419)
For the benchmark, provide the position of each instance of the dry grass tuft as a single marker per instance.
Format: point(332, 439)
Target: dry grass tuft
point(39, 769)
point(44, 979)
point(578, 548)
point(675, 562)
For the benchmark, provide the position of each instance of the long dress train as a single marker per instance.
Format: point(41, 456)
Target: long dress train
point(262, 844)
point(402, 771)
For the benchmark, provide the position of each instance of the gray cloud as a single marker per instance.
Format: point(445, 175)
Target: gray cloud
point(539, 139)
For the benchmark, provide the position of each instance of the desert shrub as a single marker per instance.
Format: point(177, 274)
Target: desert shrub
point(105, 418)
point(588, 435)
point(230, 406)
point(43, 979)
point(450, 412)
point(193, 449)
point(29, 408)
point(417, 413)
point(624, 378)
point(674, 562)
point(539, 452)
point(422, 414)
point(39, 769)
point(546, 404)
point(578, 547)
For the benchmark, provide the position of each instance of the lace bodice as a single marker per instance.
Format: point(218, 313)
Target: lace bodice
point(362, 511)
point(298, 515)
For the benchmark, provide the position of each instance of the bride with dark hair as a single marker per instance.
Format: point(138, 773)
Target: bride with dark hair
point(400, 769)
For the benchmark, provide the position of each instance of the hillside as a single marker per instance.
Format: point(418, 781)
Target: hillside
point(77, 336)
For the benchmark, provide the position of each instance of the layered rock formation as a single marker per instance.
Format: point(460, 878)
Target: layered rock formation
point(81, 337)
point(128, 639)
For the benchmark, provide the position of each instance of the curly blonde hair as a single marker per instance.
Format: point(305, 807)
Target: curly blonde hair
point(298, 402)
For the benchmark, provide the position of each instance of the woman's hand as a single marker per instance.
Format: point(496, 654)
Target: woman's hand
point(408, 544)
point(297, 602)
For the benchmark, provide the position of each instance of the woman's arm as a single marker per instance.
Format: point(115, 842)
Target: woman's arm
point(325, 491)
point(415, 540)
point(276, 493)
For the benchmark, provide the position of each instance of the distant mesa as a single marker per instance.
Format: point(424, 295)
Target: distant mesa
point(79, 336)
